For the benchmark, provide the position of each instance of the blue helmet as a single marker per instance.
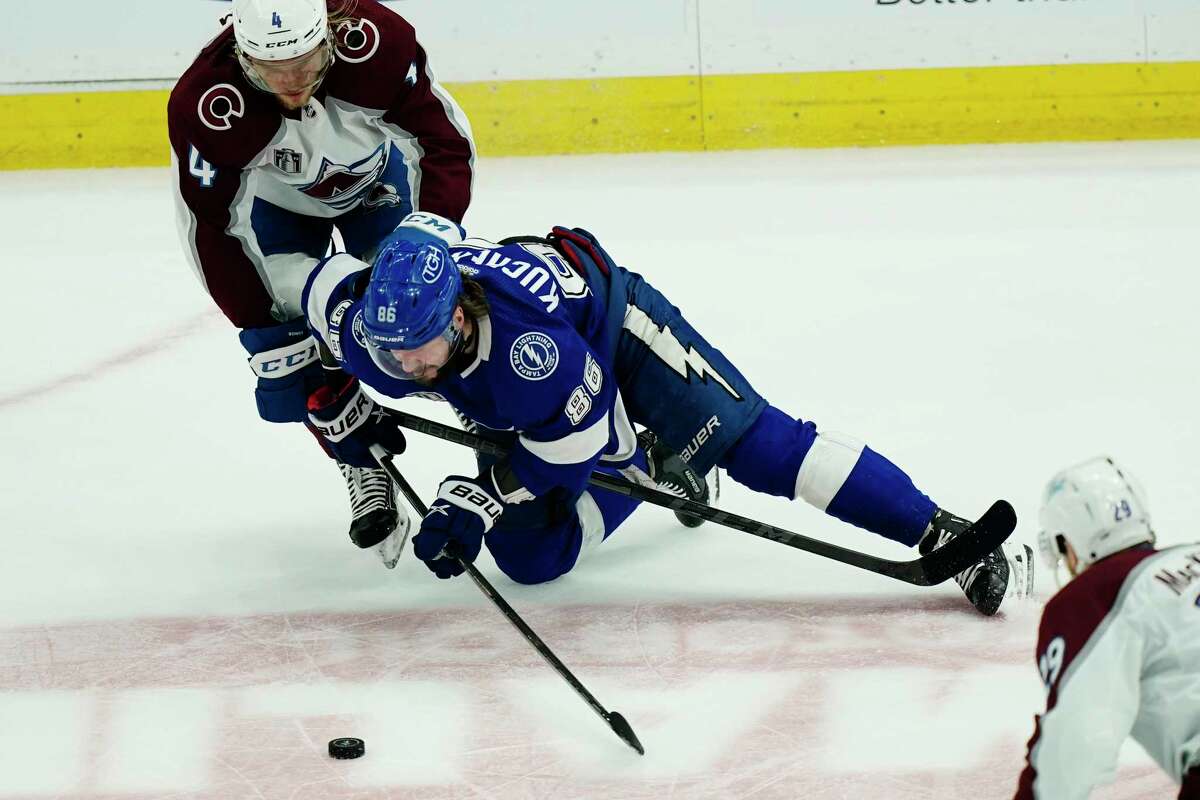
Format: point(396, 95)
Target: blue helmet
point(412, 295)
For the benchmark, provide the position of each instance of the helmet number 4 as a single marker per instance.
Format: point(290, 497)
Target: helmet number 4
point(385, 314)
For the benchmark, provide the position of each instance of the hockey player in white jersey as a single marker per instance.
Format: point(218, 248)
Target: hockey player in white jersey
point(301, 117)
point(1119, 645)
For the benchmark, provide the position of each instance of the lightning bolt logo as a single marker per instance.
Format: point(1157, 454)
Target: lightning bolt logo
point(670, 350)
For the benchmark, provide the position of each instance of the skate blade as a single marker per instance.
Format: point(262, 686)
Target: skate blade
point(391, 548)
point(1020, 570)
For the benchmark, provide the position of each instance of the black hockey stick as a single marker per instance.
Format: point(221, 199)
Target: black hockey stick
point(615, 721)
point(964, 550)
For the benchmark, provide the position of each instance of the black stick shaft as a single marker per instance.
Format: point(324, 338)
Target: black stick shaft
point(938, 566)
point(618, 724)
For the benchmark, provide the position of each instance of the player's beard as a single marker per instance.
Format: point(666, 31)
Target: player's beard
point(294, 102)
point(461, 351)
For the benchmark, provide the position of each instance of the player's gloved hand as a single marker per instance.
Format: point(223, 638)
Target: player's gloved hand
point(454, 527)
point(349, 422)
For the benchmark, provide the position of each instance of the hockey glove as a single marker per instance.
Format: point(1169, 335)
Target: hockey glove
point(454, 527)
point(349, 422)
point(285, 363)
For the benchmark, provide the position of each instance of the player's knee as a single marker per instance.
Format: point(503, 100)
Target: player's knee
point(769, 455)
point(538, 554)
point(535, 556)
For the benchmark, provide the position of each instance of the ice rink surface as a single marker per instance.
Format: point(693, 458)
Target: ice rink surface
point(182, 615)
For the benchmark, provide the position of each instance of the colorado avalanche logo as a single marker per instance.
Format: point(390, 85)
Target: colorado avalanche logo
point(357, 41)
point(534, 356)
point(341, 187)
point(219, 104)
point(383, 195)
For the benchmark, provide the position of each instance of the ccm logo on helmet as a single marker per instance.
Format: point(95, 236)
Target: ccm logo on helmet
point(276, 45)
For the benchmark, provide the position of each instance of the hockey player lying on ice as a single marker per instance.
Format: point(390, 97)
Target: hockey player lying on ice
point(547, 338)
point(1119, 646)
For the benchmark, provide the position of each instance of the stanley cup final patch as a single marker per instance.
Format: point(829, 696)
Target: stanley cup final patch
point(288, 160)
point(534, 356)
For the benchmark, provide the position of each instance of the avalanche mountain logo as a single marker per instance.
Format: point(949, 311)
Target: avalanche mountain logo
point(342, 187)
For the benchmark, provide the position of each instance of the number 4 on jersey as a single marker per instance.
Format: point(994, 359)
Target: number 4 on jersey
point(200, 169)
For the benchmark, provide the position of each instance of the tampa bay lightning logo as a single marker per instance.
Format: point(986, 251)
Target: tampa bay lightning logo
point(357, 331)
point(534, 356)
point(342, 187)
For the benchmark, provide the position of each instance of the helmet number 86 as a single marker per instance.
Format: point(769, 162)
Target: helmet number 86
point(385, 314)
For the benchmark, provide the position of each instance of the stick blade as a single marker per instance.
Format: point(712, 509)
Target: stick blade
point(988, 533)
point(621, 728)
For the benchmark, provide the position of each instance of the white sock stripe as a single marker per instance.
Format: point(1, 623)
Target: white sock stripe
point(591, 522)
point(826, 467)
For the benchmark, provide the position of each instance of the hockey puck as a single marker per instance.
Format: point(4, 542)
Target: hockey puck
point(347, 747)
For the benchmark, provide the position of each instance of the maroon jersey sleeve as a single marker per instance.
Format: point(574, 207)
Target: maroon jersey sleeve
point(381, 65)
point(217, 126)
point(1089, 658)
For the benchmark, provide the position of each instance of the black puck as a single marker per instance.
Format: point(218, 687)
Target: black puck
point(347, 747)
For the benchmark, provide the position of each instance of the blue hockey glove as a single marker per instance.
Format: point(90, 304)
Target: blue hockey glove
point(349, 422)
point(285, 362)
point(454, 527)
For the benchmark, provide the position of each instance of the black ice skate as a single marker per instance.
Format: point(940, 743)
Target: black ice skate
point(1000, 573)
point(374, 516)
point(672, 474)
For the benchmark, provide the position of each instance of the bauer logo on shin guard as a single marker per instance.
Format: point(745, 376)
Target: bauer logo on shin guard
point(702, 436)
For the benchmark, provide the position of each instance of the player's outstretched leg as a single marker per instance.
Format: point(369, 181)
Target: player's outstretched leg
point(846, 479)
point(672, 474)
point(375, 518)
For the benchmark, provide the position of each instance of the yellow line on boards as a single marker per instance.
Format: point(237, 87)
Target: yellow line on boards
point(1077, 102)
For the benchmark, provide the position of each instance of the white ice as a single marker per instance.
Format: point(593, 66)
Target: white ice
point(183, 616)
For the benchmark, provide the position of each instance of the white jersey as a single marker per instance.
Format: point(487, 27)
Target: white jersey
point(1119, 652)
point(259, 188)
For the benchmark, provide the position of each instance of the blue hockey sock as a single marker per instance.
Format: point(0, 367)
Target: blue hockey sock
point(785, 457)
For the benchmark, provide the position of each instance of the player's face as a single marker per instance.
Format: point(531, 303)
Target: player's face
point(423, 364)
point(293, 81)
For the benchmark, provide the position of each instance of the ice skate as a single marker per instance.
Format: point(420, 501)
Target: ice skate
point(1005, 571)
point(672, 474)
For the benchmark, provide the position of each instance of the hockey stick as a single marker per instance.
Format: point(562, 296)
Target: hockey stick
point(961, 552)
point(615, 721)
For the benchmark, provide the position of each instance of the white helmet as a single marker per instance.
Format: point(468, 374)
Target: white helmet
point(1095, 506)
point(275, 30)
point(278, 30)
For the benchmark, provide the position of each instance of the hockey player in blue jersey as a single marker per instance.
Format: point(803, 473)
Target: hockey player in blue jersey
point(550, 340)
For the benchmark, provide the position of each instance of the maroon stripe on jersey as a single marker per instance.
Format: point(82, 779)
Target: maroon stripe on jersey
point(1191, 786)
point(1074, 615)
point(446, 164)
point(217, 124)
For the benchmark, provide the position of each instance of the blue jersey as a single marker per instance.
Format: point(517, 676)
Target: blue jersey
point(541, 367)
